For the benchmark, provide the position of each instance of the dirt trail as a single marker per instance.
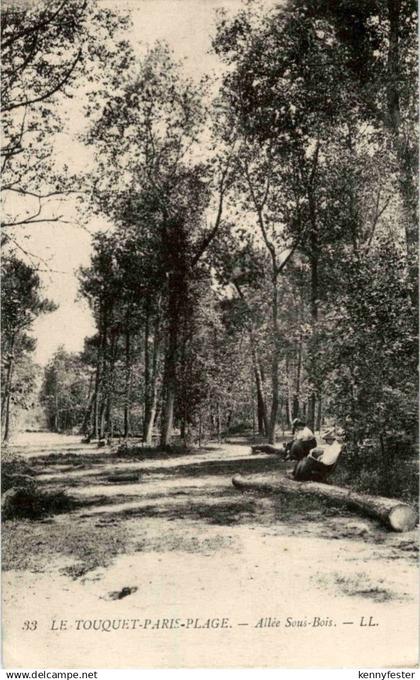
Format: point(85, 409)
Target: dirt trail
point(172, 539)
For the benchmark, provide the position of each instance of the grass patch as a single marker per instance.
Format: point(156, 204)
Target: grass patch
point(15, 471)
point(32, 503)
point(33, 546)
point(22, 497)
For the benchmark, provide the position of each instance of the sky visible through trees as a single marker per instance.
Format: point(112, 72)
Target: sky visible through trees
point(188, 31)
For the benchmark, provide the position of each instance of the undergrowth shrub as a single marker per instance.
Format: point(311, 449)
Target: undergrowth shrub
point(384, 468)
point(22, 497)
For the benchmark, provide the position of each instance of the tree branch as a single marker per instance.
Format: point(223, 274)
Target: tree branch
point(19, 69)
point(25, 192)
point(33, 256)
point(222, 189)
point(31, 220)
point(17, 148)
point(35, 27)
point(259, 208)
point(46, 95)
point(291, 252)
point(376, 219)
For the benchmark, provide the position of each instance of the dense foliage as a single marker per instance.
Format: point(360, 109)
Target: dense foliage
point(47, 46)
point(21, 303)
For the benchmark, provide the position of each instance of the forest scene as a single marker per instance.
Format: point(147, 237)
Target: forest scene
point(238, 229)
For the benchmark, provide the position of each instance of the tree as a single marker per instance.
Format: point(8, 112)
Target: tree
point(21, 303)
point(380, 46)
point(283, 121)
point(148, 133)
point(336, 140)
point(46, 47)
point(374, 392)
point(64, 391)
point(101, 284)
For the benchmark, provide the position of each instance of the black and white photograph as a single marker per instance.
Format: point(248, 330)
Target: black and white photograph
point(209, 337)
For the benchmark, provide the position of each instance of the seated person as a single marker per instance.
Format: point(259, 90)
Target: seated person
point(304, 440)
point(320, 462)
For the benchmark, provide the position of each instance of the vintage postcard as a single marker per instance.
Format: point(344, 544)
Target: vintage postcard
point(209, 334)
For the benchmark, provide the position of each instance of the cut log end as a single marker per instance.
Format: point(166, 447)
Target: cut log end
point(402, 518)
point(391, 512)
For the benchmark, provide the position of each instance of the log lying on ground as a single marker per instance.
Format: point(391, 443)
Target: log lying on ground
point(268, 448)
point(123, 478)
point(392, 513)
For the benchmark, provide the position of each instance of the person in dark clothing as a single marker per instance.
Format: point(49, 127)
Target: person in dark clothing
point(304, 440)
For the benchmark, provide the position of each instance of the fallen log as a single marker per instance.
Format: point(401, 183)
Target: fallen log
point(119, 478)
point(268, 448)
point(393, 513)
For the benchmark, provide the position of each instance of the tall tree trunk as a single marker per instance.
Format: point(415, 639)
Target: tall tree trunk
point(262, 417)
point(127, 382)
point(169, 401)
point(274, 361)
point(103, 388)
point(102, 417)
point(311, 411)
point(184, 414)
point(5, 404)
point(218, 418)
point(200, 429)
point(314, 262)
point(281, 414)
point(109, 428)
point(99, 376)
point(7, 387)
point(296, 398)
point(171, 361)
point(56, 414)
point(406, 153)
point(85, 428)
point(290, 398)
point(154, 380)
point(393, 79)
point(313, 359)
point(95, 432)
point(262, 420)
point(319, 414)
point(147, 404)
point(6, 429)
point(289, 418)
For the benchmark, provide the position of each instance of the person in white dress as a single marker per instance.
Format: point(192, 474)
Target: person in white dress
point(321, 460)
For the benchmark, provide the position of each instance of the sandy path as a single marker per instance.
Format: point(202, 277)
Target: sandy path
point(195, 550)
